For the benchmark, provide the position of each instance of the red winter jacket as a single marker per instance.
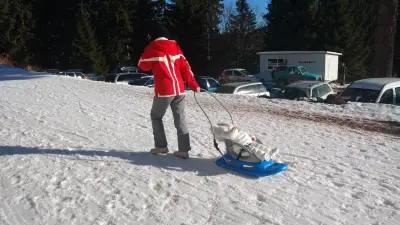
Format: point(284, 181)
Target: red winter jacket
point(170, 68)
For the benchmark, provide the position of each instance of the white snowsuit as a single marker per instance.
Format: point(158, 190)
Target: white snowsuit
point(224, 132)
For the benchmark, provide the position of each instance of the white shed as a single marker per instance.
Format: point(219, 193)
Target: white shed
point(320, 62)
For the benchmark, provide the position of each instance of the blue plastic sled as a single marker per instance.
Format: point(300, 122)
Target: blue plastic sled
point(260, 169)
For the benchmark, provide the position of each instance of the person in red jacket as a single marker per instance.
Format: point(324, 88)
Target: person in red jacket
point(172, 72)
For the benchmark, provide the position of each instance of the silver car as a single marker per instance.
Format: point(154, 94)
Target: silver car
point(374, 90)
point(308, 90)
point(125, 78)
point(244, 88)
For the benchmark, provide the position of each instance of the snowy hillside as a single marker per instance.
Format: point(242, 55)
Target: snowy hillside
point(75, 151)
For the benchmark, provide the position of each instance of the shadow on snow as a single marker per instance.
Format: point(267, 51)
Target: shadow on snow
point(201, 166)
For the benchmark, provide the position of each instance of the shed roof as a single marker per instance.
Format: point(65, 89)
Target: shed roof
point(298, 52)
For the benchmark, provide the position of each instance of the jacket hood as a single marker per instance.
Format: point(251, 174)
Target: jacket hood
point(164, 45)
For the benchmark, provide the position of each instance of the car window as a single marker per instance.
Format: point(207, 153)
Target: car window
point(397, 90)
point(213, 83)
point(150, 81)
point(138, 82)
point(244, 72)
point(71, 74)
point(203, 83)
point(360, 95)
point(226, 89)
point(228, 72)
point(236, 73)
point(293, 93)
point(387, 97)
point(128, 77)
point(320, 90)
point(251, 89)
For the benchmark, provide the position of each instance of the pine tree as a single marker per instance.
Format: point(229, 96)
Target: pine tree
point(396, 59)
point(195, 24)
point(88, 53)
point(290, 25)
point(345, 26)
point(385, 37)
point(54, 32)
point(16, 25)
point(114, 30)
point(143, 11)
point(242, 28)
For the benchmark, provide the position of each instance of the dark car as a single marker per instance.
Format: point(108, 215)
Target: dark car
point(125, 78)
point(143, 81)
point(207, 83)
point(308, 90)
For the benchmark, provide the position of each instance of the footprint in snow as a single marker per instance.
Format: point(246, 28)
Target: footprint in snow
point(261, 198)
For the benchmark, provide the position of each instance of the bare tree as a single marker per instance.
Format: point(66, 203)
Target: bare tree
point(385, 38)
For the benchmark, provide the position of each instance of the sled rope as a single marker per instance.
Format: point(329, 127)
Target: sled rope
point(208, 118)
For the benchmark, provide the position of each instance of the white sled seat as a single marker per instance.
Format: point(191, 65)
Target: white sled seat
point(240, 152)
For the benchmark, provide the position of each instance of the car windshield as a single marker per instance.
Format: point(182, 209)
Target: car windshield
point(294, 92)
point(213, 83)
point(244, 72)
point(301, 69)
point(202, 83)
point(128, 77)
point(321, 90)
point(360, 95)
point(252, 89)
point(226, 89)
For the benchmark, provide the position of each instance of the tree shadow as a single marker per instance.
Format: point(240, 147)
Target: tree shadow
point(200, 166)
point(10, 73)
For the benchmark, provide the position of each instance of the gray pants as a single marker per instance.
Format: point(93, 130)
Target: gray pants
point(160, 105)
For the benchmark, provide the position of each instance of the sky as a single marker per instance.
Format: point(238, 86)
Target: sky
point(258, 6)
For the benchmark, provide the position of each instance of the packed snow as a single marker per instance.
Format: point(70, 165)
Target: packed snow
point(75, 151)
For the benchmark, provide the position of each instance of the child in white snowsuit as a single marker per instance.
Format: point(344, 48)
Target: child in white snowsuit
point(226, 132)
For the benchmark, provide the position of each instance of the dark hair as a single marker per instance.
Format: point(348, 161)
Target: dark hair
point(155, 30)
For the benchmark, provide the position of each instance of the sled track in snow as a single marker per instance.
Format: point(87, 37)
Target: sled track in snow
point(387, 127)
point(361, 124)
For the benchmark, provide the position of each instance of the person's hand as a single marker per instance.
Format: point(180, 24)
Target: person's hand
point(197, 89)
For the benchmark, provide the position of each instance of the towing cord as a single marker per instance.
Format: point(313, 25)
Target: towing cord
point(208, 118)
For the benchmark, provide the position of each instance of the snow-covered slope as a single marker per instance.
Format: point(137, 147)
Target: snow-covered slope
point(76, 152)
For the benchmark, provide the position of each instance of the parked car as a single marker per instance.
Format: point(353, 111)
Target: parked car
point(72, 74)
point(207, 83)
point(94, 77)
point(288, 74)
point(308, 90)
point(143, 81)
point(373, 90)
point(244, 88)
point(125, 69)
point(275, 92)
point(125, 78)
point(129, 69)
point(235, 75)
point(53, 71)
